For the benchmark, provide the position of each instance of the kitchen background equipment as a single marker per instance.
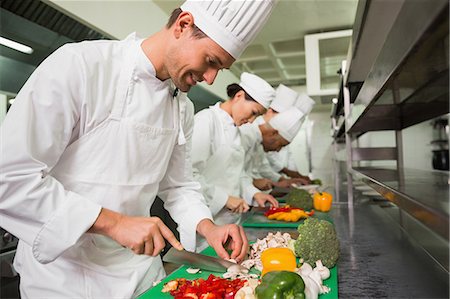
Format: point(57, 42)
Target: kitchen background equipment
point(440, 160)
point(9, 279)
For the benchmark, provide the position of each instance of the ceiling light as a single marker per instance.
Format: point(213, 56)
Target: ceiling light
point(15, 45)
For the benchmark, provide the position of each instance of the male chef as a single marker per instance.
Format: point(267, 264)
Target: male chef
point(95, 134)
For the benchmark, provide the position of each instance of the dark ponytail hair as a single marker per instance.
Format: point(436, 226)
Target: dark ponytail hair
point(234, 88)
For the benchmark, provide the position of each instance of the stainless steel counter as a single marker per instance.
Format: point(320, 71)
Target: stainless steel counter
point(377, 259)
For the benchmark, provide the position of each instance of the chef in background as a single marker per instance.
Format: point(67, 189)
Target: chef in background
point(264, 136)
point(95, 134)
point(283, 161)
point(217, 154)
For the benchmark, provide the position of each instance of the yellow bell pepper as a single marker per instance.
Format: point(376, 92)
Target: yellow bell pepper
point(292, 216)
point(278, 259)
point(322, 201)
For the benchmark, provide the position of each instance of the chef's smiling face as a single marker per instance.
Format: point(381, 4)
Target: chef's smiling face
point(191, 59)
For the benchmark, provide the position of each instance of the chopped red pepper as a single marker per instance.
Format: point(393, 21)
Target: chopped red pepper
point(282, 209)
point(211, 288)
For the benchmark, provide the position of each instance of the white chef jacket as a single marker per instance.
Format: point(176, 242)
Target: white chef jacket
point(62, 161)
point(282, 159)
point(217, 156)
point(256, 164)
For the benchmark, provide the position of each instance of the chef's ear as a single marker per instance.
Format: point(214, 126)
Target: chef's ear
point(240, 95)
point(184, 21)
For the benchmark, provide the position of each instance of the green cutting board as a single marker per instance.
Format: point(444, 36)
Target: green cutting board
point(156, 291)
point(282, 199)
point(257, 219)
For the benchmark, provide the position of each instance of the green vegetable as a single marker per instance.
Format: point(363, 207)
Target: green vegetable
point(316, 182)
point(299, 198)
point(281, 285)
point(317, 240)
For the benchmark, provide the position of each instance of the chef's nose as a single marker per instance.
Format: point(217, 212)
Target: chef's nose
point(210, 75)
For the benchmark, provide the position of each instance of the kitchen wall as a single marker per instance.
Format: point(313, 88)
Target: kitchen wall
point(417, 150)
point(416, 145)
point(321, 148)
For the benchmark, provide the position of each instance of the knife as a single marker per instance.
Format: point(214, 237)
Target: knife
point(201, 261)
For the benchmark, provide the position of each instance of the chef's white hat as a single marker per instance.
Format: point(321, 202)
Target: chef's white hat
point(284, 98)
point(288, 123)
point(304, 103)
point(232, 24)
point(257, 88)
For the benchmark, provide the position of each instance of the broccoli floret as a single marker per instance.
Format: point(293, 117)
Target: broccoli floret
point(299, 198)
point(316, 182)
point(317, 240)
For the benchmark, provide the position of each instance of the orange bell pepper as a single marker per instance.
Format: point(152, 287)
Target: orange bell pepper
point(322, 201)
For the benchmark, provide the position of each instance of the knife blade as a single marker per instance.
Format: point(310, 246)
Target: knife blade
point(198, 260)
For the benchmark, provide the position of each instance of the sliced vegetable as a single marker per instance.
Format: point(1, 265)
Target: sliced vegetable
point(287, 213)
point(211, 288)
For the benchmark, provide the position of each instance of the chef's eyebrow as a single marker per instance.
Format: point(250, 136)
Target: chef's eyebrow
point(221, 64)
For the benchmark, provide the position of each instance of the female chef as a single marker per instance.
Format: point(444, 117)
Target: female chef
point(217, 154)
point(95, 134)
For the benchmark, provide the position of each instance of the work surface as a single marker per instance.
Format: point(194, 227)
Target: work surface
point(377, 259)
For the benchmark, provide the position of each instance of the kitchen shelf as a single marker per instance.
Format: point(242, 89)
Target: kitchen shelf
point(408, 82)
point(422, 194)
point(404, 81)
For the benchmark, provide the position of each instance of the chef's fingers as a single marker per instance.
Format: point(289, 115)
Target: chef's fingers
point(148, 247)
point(138, 248)
point(246, 208)
point(245, 245)
point(240, 249)
point(158, 244)
point(237, 237)
point(168, 235)
point(273, 201)
point(221, 252)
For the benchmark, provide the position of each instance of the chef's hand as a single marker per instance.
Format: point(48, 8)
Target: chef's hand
point(261, 198)
point(143, 235)
point(223, 237)
point(237, 205)
point(300, 181)
point(283, 183)
point(262, 184)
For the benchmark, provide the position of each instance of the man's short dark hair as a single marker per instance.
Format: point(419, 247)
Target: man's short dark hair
point(196, 32)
